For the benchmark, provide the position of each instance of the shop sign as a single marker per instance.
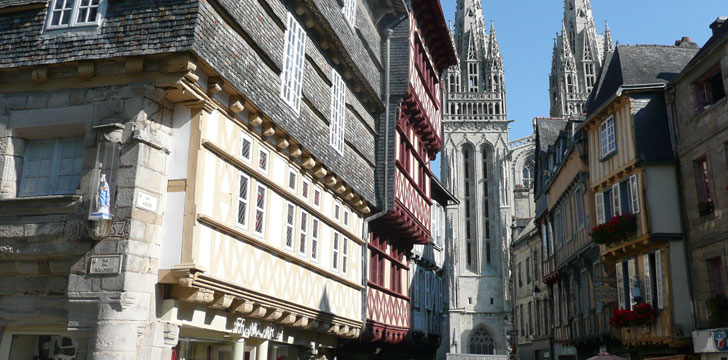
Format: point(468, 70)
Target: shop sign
point(605, 294)
point(257, 329)
point(602, 279)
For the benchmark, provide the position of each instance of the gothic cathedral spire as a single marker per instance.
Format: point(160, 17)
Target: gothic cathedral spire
point(578, 57)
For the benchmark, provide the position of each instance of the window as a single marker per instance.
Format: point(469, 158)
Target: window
point(293, 56)
point(64, 14)
point(243, 190)
point(528, 169)
point(520, 278)
point(263, 160)
point(626, 280)
point(52, 167)
point(292, 180)
point(715, 275)
point(346, 218)
point(314, 239)
point(530, 318)
point(579, 201)
point(335, 259)
point(349, 11)
point(345, 255)
point(702, 182)
point(528, 271)
point(557, 305)
point(290, 218)
point(338, 112)
point(521, 320)
point(246, 147)
point(415, 296)
point(708, 90)
point(260, 210)
point(616, 200)
point(634, 195)
point(30, 345)
point(317, 197)
point(481, 342)
point(305, 188)
point(607, 137)
point(337, 212)
point(599, 204)
point(303, 233)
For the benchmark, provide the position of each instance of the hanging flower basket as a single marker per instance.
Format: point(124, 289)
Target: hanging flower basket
point(640, 315)
point(619, 228)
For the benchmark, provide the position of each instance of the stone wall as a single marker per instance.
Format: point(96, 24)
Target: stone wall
point(45, 247)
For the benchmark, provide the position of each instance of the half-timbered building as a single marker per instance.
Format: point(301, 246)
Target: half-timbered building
point(417, 49)
point(190, 179)
point(632, 174)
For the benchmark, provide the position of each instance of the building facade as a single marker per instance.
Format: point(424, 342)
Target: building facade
point(417, 49)
point(166, 191)
point(583, 301)
point(632, 172)
point(532, 330)
point(476, 169)
point(698, 110)
point(578, 56)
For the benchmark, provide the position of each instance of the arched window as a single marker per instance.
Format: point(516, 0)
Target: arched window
point(528, 173)
point(469, 202)
point(481, 342)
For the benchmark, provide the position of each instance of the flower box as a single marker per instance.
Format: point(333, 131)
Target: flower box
point(640, 315)
point(619, 228)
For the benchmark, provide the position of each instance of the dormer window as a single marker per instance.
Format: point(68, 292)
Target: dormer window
point(349, 11)
point(66, 14)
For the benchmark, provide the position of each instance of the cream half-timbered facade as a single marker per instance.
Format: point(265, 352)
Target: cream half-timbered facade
point(262, 239)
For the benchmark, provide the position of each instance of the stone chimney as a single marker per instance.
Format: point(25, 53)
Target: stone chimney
point(718, 23)
point(685, 42)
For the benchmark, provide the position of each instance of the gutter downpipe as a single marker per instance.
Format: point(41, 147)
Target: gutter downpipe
point(388, 35)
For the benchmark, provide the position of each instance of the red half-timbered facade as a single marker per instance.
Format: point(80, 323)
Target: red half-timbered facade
point(415, 141)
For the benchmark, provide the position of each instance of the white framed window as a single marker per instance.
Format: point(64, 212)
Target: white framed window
point(346, 217)
point(52, 167)
point(607, 136)
point(337, 212)
point(338, 112)
point(260, 199)
point(349, 11)
point(243, 198)
point(616, 200)
point(599, 204)
point(317, 197)
point(263, 160)
point(292, 180)
point(314, 239)
point(335, 253)
point(65, 14)
point(290, 220)
point(303, 233)
point(246, 147)
point(620, 285)
point(293, 57)
point(634, 194)
point(305, 188)
point(345, 255)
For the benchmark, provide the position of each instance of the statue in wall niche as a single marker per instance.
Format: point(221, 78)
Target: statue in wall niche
point(103, 201)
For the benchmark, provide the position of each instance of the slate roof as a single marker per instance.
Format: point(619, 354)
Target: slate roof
point(4, 4)
point(639, 65)
point(548, 130)
point(131, 27)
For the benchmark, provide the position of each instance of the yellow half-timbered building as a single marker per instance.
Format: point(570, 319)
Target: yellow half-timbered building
point(633, 176)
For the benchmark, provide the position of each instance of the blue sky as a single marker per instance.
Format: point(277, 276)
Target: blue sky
point(526, 29)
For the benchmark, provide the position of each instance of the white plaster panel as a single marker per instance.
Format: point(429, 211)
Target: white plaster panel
point(172, 230)
point(180, 142)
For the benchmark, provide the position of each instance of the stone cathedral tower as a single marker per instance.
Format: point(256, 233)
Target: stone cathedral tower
point(475, 167)
point(578, 56)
